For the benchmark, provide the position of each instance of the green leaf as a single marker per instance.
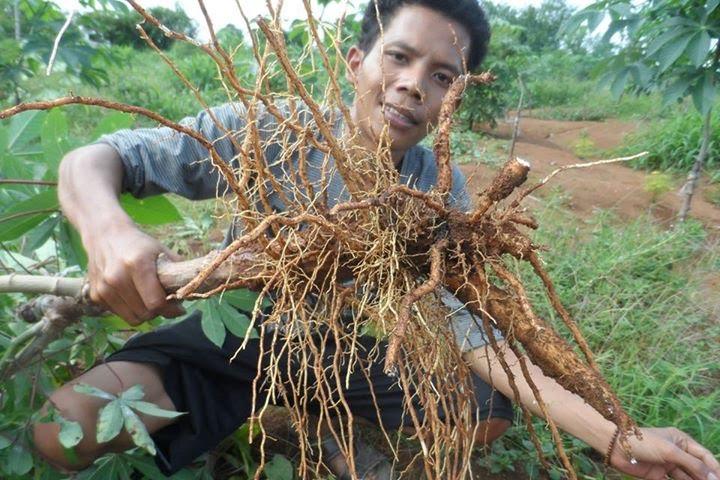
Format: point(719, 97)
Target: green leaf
point(37, 237)
point(153, 410)
point(19, 461)
point(54, 141)
point(71, 245)
point(704, 93)
point(279, 468)
point(70, 432)
point(137, 430)
point(25, 215)
point(710, 6)
point(86, 389)
point(211, 322)
point(110, 422)
point(670, 53)
point(25, 127)
point(241, 298)
point(150, 211)
point(4, 442)
point(699, 47)
point(676, 90)
point(237, 323)
point(135, 392)
point(662, 40)
point(110, 467)
point(641, 74)
point(111, 123)
point(618, 85)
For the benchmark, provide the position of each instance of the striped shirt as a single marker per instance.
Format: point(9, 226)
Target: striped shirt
point(162, 160)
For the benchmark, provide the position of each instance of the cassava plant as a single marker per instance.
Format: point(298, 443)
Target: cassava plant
point(398, 245)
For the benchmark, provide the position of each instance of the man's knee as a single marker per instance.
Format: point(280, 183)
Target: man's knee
point(84, 409)
point(490, 430)
point(46, 431)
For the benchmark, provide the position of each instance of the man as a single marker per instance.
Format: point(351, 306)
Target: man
point(399, 82)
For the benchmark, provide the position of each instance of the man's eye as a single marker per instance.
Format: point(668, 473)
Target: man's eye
point(444, 79)
point(397, 56)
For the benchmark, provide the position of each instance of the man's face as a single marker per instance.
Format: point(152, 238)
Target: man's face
point(418, 57)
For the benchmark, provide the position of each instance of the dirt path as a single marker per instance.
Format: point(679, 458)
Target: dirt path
point(548, 144)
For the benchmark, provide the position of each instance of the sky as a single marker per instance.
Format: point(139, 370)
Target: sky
point(223, 12)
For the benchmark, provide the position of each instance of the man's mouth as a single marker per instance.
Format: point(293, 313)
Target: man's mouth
point(398, 117)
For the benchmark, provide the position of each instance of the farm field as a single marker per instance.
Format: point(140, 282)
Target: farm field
point(637, 270)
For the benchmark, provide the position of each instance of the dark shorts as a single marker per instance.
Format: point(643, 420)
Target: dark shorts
point(217, 394)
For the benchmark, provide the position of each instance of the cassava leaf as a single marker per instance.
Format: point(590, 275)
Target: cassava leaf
point(136, 392)
point(211, 322)
point(86, 389)
point(699, 47)
point(618, 85)
point(662, 40)
point(237, 323)
point(25, 127)
point(153, 410)
point(672, 51)
point(279, 468)
point(19, 460)
point(150, 211)
point(112, 123)
point(38, 236)
point(136, 429)
point(71, 245)
point(54, 141)
point(704, 93)
point(25, 215)
point(70, 432)
point(108, 467)
point(110, 422)
point(676, 90)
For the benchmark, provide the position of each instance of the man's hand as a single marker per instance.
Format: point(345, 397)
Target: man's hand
point(664, 452)
point(122, 267)
point(121, 258)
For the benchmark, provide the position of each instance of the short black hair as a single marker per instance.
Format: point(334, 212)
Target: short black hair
point(467, 13)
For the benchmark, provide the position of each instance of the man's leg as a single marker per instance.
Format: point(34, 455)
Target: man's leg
point(112, 377)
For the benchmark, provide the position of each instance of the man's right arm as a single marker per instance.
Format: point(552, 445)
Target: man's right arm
point(121, 258)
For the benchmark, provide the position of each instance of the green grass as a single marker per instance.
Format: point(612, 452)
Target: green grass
point(674, 142)
point(635, 292)
point(575, 100)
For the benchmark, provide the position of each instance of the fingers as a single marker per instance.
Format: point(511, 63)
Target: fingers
point(692, 465)
point(698, 451)
point(126, 282)
point(678, 474)
point(154, 297)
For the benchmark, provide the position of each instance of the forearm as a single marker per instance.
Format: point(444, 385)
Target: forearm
point(569, 412)
point(90, 180)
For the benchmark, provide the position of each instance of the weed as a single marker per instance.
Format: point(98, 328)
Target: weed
point(584, 147)
point(657, 184)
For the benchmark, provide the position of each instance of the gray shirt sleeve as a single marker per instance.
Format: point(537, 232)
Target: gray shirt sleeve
point(162, 160)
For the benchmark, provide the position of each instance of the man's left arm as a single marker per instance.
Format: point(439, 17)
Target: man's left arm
point(661, 452)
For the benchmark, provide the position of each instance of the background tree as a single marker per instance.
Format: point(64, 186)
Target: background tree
point(666, 45)
point(27, 31)
point(116, 25)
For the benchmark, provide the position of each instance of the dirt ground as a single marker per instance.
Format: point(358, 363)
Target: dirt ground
point(549, 144)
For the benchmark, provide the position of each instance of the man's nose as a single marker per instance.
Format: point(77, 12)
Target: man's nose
point(411, 82)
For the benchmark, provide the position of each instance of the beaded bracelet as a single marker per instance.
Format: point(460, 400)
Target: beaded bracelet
point(611, 447)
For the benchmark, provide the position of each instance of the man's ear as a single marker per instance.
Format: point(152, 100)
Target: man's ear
point(354, 59)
